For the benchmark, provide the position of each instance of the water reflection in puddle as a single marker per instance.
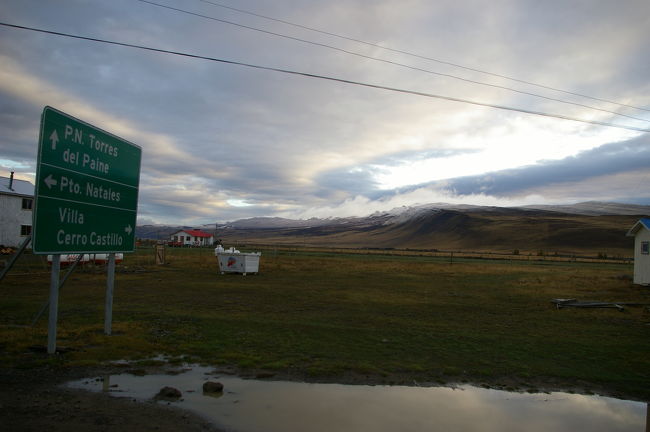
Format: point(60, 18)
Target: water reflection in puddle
point(253, 405)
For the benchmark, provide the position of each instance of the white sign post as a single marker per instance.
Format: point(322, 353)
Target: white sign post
point(54, 304)
point(110, 282)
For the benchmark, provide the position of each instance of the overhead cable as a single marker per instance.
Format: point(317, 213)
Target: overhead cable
point(323, 77)
point(420, 56)
point(390, 61)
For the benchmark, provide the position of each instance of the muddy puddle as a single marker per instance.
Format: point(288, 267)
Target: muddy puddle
point(269, 406)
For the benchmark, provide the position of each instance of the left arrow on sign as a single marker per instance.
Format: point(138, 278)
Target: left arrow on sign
point(49, 181)
point(54, 139)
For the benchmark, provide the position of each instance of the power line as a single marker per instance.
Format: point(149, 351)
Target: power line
point(324, 77)
point(420, 56)
point(389, 61)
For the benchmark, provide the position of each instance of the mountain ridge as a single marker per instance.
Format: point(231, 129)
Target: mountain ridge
point(585, 228)
point(404, 213)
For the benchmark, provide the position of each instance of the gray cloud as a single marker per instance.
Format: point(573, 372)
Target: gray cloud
point(216, 137)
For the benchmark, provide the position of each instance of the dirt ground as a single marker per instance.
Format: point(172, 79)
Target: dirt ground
point(34, 400)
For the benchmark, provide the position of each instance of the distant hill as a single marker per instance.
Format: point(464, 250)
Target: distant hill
point(596, 208)
point(585, 228)
point(158, 232)
point(405, 213)
point(276, 222)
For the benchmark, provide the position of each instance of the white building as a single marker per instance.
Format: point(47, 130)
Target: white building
point(641, 233)
point(191, 238)
point(16, 203)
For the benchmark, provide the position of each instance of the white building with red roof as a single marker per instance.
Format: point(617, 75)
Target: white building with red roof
point(191, 238)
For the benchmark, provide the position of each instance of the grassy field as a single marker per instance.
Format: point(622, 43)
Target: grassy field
point(332, 316)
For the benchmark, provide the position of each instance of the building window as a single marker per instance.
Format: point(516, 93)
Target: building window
point(25, 230)
point(28, 203)
point(645, 248)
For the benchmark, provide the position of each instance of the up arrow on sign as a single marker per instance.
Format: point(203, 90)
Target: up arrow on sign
point(54, 139)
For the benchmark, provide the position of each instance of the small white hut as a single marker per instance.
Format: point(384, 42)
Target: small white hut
point(641, 233)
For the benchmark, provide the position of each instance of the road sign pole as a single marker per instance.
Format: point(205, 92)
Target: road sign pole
point(110, 282)
point(54, 304)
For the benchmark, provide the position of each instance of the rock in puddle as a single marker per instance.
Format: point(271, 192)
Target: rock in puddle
point(212, 387)
point(168, 394)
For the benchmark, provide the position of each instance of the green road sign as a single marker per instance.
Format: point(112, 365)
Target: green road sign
point(86, 188)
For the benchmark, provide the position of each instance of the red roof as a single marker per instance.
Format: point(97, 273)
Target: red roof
point(198, 233)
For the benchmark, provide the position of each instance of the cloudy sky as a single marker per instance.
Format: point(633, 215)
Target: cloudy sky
point(222, 141)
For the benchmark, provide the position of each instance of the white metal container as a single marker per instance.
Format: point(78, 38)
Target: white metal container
point(237, 262)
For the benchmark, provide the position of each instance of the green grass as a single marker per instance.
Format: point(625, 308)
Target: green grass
point(326, 315)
